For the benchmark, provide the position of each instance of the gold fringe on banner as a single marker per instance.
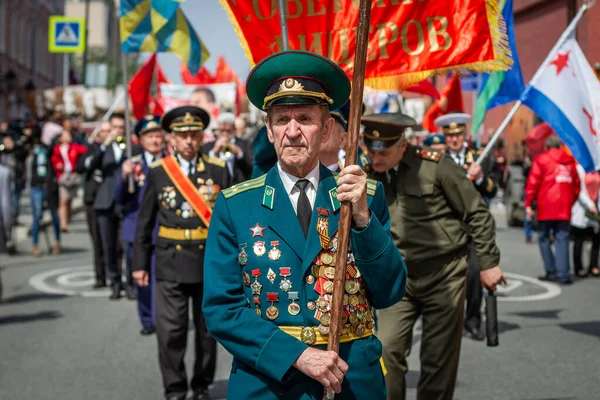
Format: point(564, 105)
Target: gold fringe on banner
point(238, 31)
point(502, 55)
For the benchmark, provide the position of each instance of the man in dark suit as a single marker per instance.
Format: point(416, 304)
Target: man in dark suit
point(236, 152)
point(151, 136)
point(92, 177)
point(180, 192)
point(108, 157)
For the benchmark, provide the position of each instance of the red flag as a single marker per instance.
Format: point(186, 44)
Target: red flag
point(424, 87)
point(450, 100)
point(139, 87)
point(158, 102)
point(225, 74)
point(203, 77)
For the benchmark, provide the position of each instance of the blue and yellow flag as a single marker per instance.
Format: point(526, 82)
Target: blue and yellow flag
point(159, 26)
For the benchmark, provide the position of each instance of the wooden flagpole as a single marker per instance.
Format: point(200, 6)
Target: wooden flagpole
point(345, 223)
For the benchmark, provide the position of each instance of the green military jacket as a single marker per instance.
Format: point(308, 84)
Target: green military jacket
point(433, 198)
point(263, 276)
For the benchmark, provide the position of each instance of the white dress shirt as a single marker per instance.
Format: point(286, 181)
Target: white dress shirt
point(229, 160)
point(117, 151)
point(289, 183)
point(150, 158)
point(187, 166)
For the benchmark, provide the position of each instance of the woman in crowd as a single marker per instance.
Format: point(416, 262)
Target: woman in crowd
point(585, 222)
point(43, 188)
point(64, 160)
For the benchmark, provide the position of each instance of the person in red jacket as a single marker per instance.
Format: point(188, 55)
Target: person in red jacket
point(64, 160)
point(554, 184)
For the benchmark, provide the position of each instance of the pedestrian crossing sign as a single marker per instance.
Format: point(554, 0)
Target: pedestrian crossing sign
point(66, 34)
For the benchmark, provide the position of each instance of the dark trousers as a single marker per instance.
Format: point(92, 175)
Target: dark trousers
point(128, 250)
point(172, 310)
point(579, 237)
point(474, 289)
point(438, 296)
point(556, 266)
point(92, 221)
point(145, 296)
point(108, 224)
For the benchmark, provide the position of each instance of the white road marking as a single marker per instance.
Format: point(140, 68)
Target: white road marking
point(66, 281)
point(552, 290)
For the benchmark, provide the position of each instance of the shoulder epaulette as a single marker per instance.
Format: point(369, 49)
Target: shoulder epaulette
point(429, 155)
point(214, 161)
point(156, 163)
point(136, 158)
point(371, 187)
point(245, 186)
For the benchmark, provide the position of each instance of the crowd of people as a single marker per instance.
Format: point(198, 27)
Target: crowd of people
point(182, 204)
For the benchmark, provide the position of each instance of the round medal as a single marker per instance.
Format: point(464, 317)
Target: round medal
point(285, 285)
point(310, 279)
point(344, 318)
point(360, 330)
point(274, 254)
point(259, 248)
point(325, 319)
point(353, 319)
point(330, 272)
point(344, 299)
point(328, 286)
point(294, 309)
point(324, 329)
point(353, 300)
point(326, 258)
point(311, 305)
point(352, 286)
point(362, 299)
point(272, 313)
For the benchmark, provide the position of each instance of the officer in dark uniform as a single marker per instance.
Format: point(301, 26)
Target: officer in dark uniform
point(180, 192)
point(151, 136)
point(430, 200)
point(454, 127)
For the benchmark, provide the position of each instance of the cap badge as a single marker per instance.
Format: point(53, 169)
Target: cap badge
point(436, 140)
point(376, 134)
point(289, 85)
point(188, 119)
point(453, 125)
point(149, 117)
point(151, 124)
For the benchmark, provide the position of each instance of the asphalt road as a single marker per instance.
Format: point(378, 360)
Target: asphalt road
point(59, 339)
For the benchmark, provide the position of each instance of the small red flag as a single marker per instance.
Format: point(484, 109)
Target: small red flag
point(450, 100)
point(139, 87)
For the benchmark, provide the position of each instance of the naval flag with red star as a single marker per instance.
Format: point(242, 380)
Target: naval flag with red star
point(566, 94)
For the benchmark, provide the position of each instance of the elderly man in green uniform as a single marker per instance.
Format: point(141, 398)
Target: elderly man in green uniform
point(454, 127)
point(430, 198)
point(180, 192)
point(272, 249)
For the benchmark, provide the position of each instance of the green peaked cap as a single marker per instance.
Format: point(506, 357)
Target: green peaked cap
point(297, 78)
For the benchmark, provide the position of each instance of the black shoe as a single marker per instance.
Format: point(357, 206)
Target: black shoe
point(473, 333)
point(130, 292)
point(201, 395)
point(548, 278)
point(115, 292)
point(567, 281)
point(99, 285)
point(147, 331)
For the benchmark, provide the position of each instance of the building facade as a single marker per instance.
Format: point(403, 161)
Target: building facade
point(25, 62)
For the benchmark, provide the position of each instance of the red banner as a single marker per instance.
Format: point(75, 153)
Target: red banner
point(409, 39)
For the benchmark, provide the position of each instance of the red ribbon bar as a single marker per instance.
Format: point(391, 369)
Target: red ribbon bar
point(285, 271)
point(255, 273)
point(272, 297)
point(323, 212)
point(256, 300)
point(275, 243)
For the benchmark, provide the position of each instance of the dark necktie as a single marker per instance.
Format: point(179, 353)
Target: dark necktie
point(191, 172)
point(392, 186)
point(304, 210)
